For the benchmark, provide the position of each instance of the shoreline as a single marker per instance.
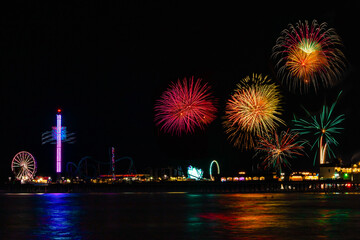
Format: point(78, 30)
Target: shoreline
point(189, 187)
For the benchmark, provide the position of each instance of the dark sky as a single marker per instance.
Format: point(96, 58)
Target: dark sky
point(106, 62)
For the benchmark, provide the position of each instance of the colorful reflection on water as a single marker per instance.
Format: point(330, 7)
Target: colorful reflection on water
point(276, 216)
point(42, 216)
point(58, 216)
point(179, 216)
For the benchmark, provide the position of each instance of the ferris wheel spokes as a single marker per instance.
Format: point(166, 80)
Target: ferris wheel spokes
point(23, 166)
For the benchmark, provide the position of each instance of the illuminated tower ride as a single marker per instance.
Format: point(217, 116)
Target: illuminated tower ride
point(113, 162)
point(58, 135)
point(58, 142)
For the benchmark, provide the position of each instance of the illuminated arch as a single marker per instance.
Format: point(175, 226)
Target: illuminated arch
point(218, 169)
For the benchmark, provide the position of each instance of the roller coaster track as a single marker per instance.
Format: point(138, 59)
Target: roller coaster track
point(83, 164)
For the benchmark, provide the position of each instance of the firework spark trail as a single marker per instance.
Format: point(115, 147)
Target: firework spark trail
point(279, 149)
point(322, 127)
point(252, 110)
point(185, 106)
point(309, 55)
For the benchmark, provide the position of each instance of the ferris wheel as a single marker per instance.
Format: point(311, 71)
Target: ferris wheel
point(23, 166)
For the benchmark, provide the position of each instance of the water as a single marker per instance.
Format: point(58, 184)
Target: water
point(179, 216)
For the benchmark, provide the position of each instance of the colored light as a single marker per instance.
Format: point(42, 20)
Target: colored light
point(195, 173)
point(253, 110)
point(218, 169)
point(309, 55)
point(322, 128)
point(185, 106)
point(63, 133)
point(58, 142)
point(113, 162)
point(278, 149)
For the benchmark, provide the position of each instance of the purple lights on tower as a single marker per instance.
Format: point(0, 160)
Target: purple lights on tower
point(58, 135)
point(58, 141)
point(113, 162)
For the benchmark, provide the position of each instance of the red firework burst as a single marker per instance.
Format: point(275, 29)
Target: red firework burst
point(279, 148)
point(185, 106)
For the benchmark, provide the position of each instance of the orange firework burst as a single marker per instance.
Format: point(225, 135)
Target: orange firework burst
point(309, 55)
point(252, 110)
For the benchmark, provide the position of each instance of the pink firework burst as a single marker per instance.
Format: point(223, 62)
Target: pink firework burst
point(185, 106)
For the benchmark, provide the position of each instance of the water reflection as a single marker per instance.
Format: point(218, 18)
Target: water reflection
point(179, 216)
point(284, 216)
point(58, 216)
point(233, 216)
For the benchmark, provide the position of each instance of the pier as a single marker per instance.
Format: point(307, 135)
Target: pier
point(190, 187)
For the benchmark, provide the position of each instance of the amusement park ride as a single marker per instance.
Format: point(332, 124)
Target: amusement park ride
point(24, 165)
point(58, 135)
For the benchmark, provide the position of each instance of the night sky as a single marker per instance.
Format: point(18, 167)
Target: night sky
point(104, 63)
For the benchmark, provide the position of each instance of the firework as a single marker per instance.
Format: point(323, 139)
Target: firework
point(252, 110)
point(309, 55)
point(279, 149)
point(323, 128)
point(185, 106)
